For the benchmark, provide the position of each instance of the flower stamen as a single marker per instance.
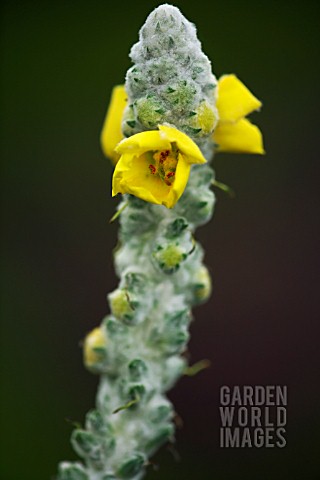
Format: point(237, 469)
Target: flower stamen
point(163, 156)
point(168, 178)
point(166, 163)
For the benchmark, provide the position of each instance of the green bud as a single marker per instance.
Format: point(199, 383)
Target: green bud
point(160, 413)
point(176, 228)
point(206, 118)
point(176, 342)
point(201, 285)
point(176, 331)
point(169, 258)
point(136, 391)
point(197, 202)
point(132, 466)
point(149, 112)
point(179, 319)
point(183, 95)
point(114, 328)
point(135, 282)
point(123, 306)
point(86, 445)
point(137, 369)
point(162, 435)
point(96, 423)
point(173, 246)
point(138, 215)
point(71, 471)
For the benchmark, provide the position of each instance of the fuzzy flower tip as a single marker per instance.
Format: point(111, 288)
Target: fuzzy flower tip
point(155, 165)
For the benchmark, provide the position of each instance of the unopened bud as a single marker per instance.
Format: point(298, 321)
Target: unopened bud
point(137, 369)
point(123, 306)
point(202, 285)
point(95, 347)
point(87, 445)
point(169, 257)
point(131, 467)
point(71, 471)
point(162, 435)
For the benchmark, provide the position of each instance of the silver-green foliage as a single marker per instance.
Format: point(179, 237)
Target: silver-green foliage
point(159, 264)
point(171, 80)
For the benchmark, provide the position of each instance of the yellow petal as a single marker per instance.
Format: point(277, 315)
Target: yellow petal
point(132, 175)
point(234, 100)
point(180, 181)
point(189, 149)
point(239, 137)
point(143, 142)
point(111, 131)
point(122, 167)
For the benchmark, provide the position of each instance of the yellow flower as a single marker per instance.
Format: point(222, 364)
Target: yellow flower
point(111, 133)
point(155, 165)
point(234, 133)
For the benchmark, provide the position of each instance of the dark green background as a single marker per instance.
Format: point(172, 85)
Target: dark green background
point(60, 61)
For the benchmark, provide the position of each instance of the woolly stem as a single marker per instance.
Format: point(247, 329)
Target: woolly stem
point(138, 349)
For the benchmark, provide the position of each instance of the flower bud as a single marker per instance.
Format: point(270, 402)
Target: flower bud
point(161, 435)
point(135, 282)
point(149, 112)
point(131, 467)
point(202, 285)
point(205, 118)
point(95, 348)
point(114, 328)
point(169, 257)
point(71, 471)
point(123, 306)
point(161, 413)
point(87, 446)
point(197, 202)
point(137, 369)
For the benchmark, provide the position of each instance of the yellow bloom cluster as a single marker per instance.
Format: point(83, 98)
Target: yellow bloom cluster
point(155, 165)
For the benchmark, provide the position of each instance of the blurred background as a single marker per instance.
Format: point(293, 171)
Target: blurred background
point(60, 61)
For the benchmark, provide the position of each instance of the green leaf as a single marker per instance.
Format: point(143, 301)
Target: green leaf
point(175, 228)
point(131, 123)
point(137, 369)
point(71, 471)
point(131, 467)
